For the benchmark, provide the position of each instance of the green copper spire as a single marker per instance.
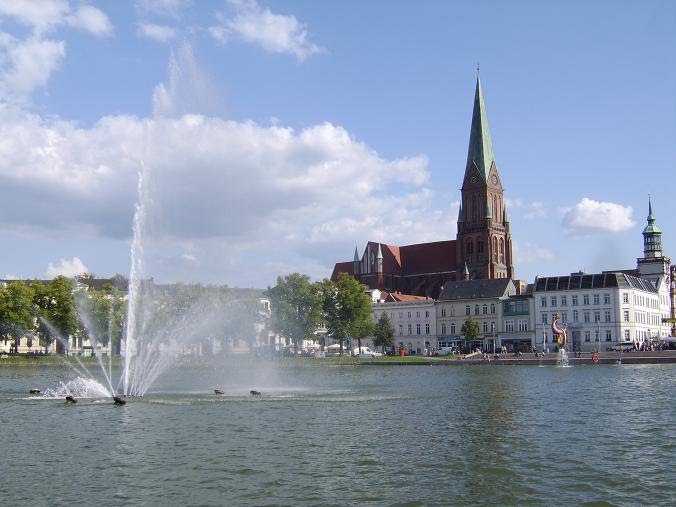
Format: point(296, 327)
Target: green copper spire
point(505, 217)
point(379, 255)
point(460, 216)
point(651, 228)
point(480, 146)
point(356, 254)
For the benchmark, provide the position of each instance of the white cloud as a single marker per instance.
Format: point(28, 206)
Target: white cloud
point(276, 33)
point(90, 19)
point(44, 15)
point(67, 267)
point(40, 15)
point(27, 65)
point(236, 190)
point(590, 216)
point(160, 33)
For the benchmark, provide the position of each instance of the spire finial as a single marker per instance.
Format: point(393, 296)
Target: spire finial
point(477, 69)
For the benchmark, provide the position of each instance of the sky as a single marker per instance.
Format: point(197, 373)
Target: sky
point(259, 138)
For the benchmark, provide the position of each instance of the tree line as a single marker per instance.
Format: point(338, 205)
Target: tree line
point(300, 307)
point(48, 312)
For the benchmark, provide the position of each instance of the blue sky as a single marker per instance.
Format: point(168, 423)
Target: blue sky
point(274, 136)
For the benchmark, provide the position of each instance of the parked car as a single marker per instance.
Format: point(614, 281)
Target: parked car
point(447, 351)
point(366, 353)
point(623, 347)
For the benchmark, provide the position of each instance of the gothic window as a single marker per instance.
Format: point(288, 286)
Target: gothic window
point(502, 251)
point(496, 215)
point(470, 249)
point(474, 208)
point(495, 249)
point(480, 249)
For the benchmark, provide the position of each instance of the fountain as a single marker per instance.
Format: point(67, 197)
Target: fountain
point(561, 341)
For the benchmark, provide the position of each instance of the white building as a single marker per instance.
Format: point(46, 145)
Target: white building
point(607, 309)
point(413, 318)
point(600, 310)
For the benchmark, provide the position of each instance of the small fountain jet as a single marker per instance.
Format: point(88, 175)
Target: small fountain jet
point(70, 399)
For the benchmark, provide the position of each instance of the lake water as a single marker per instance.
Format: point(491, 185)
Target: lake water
point(322, 435)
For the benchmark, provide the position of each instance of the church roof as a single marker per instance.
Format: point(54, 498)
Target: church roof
point(480, 151)
point(476, 289)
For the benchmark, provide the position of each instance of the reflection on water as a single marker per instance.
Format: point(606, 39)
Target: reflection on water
point(377, 435)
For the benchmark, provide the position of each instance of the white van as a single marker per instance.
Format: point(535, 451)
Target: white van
point(366, 353)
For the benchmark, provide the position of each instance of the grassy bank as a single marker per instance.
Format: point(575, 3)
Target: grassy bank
point(51, 360)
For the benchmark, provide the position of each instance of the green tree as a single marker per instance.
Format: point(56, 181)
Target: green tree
point(296, 307)
point(384, 332)
point(58, 308)
point(470, 329)
point(16, 312)
point(347, 309)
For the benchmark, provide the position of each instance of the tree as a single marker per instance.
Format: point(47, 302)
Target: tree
point(56, 306)
point(470, 329)
point(384, 332)
point(347, 309)
point(16, 312)
point(296, 307)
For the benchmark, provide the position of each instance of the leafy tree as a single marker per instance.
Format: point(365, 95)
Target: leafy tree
point(384, 332)
point(470, 329)
point(347, 309)
point(16, 311)
point(296, 307)
point(57, 308)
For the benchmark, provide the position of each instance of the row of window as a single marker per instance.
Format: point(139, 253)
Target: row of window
point(410, 329)
point(574, 300)
point(586, 316)
point(646, 301)
point(484, 310)
point(522, 325)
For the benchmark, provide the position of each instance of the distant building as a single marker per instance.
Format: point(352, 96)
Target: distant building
point(480, 299)
point(609, 309)
point(483, 244)
point(414, 321)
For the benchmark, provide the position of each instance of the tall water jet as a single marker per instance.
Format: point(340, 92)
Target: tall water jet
point(135, 275)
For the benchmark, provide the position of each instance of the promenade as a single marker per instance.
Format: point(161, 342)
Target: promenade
point(650, 357)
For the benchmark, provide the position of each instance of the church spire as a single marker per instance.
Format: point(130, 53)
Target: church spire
point(480, 146)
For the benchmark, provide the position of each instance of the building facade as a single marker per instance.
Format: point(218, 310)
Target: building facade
point(481, 300)
point(414, 324)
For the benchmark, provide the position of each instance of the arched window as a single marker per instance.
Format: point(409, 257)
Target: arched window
point(495, 249)
point(474, 208)
point(470, 249)
point(496, 215)
point(480, 249)
point(502, 250)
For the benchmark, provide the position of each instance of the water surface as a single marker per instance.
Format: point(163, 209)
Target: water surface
point(385, 435)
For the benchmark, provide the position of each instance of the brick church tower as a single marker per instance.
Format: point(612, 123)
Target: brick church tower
point(484, 243)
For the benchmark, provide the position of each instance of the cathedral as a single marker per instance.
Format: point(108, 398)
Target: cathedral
point(483, 245)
